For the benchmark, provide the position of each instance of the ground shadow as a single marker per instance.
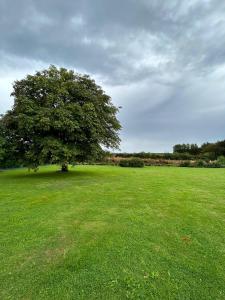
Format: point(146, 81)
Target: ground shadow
point(54, 174)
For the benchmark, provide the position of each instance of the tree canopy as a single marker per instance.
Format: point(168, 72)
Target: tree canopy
point(61, 117)
point(206, 150)
point(187, 148)
point(2, 141)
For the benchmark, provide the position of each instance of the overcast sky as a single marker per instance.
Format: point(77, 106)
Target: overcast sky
point(163, 61)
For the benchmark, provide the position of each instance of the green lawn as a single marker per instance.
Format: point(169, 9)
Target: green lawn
point(112, 233)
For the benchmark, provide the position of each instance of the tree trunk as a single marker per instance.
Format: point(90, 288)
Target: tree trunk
point(64, 168)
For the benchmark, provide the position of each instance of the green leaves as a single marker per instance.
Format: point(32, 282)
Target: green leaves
point(60, 116)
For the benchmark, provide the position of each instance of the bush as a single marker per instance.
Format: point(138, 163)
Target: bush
point(200, 164)
point(185, 164)
point(221, 161)
point(124, 163)
point(132, 163)
point(182, 156)
point(214, 164)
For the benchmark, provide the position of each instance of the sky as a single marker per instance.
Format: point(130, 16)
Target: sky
point(162, 61)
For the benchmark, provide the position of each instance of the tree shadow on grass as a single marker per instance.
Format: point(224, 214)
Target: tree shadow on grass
point(54, 174)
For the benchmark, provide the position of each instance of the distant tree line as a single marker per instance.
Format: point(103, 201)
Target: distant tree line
point(207, 151)
point(146, 155)
point(192, 149)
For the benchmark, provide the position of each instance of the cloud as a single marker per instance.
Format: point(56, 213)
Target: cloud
point(162, 61)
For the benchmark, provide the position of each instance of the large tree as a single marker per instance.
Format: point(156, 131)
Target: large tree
point(60, 117)
point(2, 142)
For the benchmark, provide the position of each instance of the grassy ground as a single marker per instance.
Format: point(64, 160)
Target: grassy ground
point(112, 233)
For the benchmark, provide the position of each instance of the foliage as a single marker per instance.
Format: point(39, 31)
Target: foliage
point(185, 164)
point(148, 155)
point(60, 117)
point(206, 152)
point(187, 148)
point(221, 161)
point(213, 164)
point(2, 142)
point(132, 163)
point(7, 157)
point(200, 164)
point(215, 149)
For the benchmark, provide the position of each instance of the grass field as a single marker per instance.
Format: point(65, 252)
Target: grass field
point(112, 233)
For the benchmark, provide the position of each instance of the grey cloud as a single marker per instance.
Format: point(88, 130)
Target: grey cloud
point(116, 39)
point(158, 59)
point(190, 111)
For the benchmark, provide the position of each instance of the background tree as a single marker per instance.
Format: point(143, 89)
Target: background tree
point(192, 149)
point(213, 150)
point(60, 117)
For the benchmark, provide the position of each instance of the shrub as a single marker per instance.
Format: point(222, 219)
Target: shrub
point(132, 163)
point(124, 163)
point(200, 164)
point(185, 164)
point(221, 161)
point(214, 164)
point(182, 156)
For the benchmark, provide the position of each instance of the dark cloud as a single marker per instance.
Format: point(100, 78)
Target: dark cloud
point(156, 58)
